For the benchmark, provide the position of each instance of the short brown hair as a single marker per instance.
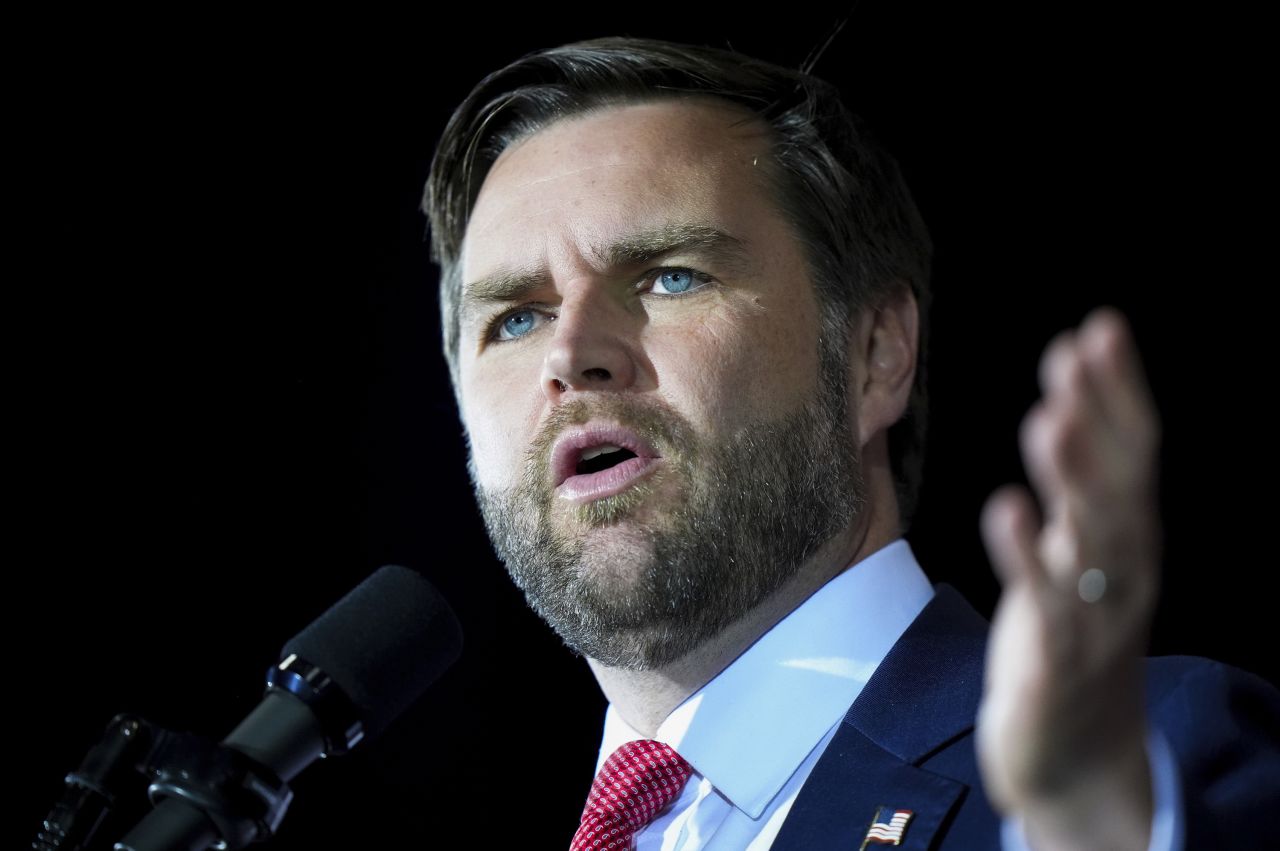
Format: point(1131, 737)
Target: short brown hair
point(843, 194)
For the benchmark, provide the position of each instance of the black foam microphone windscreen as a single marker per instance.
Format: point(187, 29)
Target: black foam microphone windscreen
point(383, 644)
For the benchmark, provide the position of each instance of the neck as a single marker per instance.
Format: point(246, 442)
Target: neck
point(645, 699)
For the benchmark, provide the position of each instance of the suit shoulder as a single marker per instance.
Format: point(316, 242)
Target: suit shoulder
point(1194, 679)
point(1223, 727)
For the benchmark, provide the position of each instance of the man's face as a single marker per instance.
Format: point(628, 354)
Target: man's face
point(658, 439)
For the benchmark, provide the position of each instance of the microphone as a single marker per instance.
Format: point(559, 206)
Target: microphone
point(340, 681)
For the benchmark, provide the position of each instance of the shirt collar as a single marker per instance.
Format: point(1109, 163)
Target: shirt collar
point(794, 684)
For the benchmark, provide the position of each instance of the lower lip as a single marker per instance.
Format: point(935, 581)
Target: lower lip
point(616, 479)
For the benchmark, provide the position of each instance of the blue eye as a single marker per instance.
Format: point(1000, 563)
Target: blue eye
point(676, 281)
point(517, 324)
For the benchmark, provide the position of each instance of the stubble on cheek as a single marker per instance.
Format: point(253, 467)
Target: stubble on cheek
point(592, 569)
point(612, 535)
point(739, 516)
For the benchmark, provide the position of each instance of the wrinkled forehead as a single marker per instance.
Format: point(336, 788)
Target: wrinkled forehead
point(630, 156)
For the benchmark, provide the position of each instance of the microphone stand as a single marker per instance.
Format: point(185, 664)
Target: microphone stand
point(205, 794)
point(92, 790)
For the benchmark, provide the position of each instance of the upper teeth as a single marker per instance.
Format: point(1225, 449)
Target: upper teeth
point(600, 450)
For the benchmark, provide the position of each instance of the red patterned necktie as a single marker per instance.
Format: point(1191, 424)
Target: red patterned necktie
point(637, 782)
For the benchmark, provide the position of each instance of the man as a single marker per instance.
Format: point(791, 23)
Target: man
point(685, 301)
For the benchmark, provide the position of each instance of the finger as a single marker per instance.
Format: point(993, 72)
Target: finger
point(1073, 399)
point(1079, 478)
point(1061, 546)
point(1061, 456)
point(1071, 452)
point(1056, 453)
point(1111, 357)
point(1009, 524)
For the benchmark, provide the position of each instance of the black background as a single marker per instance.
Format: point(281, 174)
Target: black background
point(227, 405)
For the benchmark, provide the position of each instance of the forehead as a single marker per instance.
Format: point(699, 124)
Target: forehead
point(585, 180)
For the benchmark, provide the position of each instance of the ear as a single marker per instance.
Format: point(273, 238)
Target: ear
point(883, 363)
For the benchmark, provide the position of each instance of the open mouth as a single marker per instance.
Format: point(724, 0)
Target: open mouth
point(601, 458)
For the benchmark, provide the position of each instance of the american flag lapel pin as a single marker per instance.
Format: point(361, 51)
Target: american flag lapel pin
point(887, 827)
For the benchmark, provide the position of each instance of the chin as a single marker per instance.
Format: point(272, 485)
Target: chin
point(645, 648)
point(617, 555)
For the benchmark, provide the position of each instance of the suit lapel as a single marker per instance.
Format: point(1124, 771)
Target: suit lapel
point(922, 697)
point(849, 785)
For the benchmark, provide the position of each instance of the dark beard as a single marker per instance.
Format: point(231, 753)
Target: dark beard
point(752, 509)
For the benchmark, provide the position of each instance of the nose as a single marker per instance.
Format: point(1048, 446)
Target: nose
point(593, 347)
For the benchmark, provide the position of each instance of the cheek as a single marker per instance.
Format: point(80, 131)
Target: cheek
point(500, 415)
point(737, 365)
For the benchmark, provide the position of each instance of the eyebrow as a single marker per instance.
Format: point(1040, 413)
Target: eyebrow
point(515, 284)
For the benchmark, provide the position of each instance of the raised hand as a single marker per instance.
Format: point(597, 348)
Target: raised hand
point(1061, 730)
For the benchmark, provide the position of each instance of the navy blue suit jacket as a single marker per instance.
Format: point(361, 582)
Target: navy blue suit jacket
point(907, 742)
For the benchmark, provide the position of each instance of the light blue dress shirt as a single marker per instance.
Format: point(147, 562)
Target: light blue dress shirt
point(786, 695)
